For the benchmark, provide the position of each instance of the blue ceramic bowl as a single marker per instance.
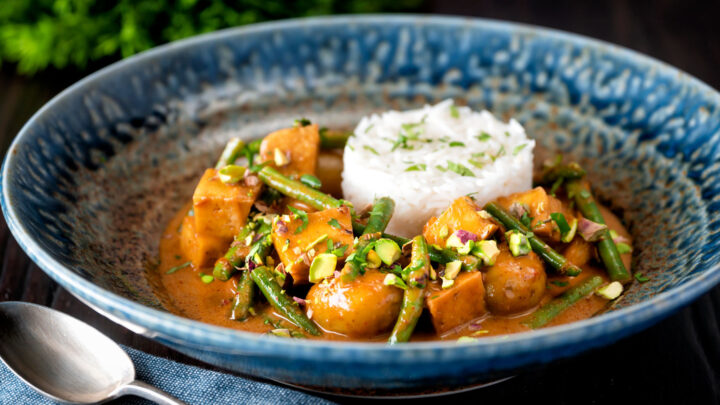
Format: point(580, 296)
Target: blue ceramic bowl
point(91, 180)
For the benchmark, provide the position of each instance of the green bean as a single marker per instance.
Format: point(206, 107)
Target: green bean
point(244, 297)
point(609, 254)
point(231, 152)
point(379, 218)
point(412, 305)
point(557, 261)
point(549, 311)
point(295, 189)
point(278, 298)
point(571, 171)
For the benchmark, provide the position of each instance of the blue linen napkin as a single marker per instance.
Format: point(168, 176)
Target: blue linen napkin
point(191, 384)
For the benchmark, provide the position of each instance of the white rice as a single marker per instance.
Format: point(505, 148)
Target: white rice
point(373, 169)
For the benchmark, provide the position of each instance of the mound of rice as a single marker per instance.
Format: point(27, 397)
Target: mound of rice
point(426, 158)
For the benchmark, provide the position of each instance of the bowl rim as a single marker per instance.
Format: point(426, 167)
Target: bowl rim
point(216, 338)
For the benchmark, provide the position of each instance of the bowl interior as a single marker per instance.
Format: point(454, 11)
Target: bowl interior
point(99, 172)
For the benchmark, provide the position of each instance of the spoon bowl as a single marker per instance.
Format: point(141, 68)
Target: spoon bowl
point(66, 359)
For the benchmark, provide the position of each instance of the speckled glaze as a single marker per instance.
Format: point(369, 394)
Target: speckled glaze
point(94, 176)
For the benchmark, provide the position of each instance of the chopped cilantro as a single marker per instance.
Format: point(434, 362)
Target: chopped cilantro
point(340, 251)
point(525, 219)
point(459, 169)
point(329, 245)
point(456, 143)
point(303, 216)
point(454, 111)
point(476, 163)
point(334, 223)
point(484, 136)
point(507, 134)
point(559, 283)
point(302, 122)
point(420, 167)
point(371, 149)
point(518, 149)
point(178, 267)
point(641, 278)
point(369, 127)
point(442, 169)
point(561, 222)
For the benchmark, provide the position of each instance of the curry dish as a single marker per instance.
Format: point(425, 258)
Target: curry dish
point(268, 245)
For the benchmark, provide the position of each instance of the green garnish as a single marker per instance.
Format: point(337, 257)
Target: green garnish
point(371, 149)
point(322, 266)
point(623, 248)
point(454, 111)
point(585, 194)
point(301, 122)
point(476, 163)
point(178, 267)
point(420, 167)
point(456, 143)
point(334, 223)
point(303, 216)
point(518, 243)
point(507, 134)
point(484, 136)
point(559, 283)
point(442, 169)
point(206, 278)
point(567, 231)
point(526, 219)
point(369, 127)
point(641, 278)
point(518, 149)
point(231, 174)
point(310, 181)
point(339, 251)
point(388, 250)
point(395, 281)
point(556, 185)
point(499, 153)
point(409, 132)
point(459, 169)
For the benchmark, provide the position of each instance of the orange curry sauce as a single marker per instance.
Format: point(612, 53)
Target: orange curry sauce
point(186, 295)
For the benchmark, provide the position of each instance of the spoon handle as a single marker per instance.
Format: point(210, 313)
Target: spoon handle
point(147, 391)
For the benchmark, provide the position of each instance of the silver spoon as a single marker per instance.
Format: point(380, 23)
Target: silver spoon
point(66, 359)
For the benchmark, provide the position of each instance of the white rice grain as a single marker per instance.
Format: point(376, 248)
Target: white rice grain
point(448, 152)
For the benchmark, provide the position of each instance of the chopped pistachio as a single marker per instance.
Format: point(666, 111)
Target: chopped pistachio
point(487, 251)
point(388, 250)
point(518, 242)
point(280, 158)
point(373, 260)
point(395, 281)
point(610, 291)
point(231, 174)
point(444, 232)
point(322, 266)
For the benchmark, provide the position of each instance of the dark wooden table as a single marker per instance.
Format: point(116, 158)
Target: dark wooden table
point(676, 361)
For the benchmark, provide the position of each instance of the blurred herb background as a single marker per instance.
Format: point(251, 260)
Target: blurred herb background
point(37, 34)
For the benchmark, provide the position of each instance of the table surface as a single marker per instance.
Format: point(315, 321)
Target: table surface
point(677, 360)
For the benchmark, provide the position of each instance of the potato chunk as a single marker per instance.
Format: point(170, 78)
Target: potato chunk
point(540, 205)
point(514, 284)
point(457, 305)
point(462, 214)
point(221, 209)
point(362, 308)
point(299, 146)
point(202, 250)
point(294, 248)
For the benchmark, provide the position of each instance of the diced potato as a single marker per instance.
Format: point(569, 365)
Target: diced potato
point(299, 145)
point(294, 249)
point(579, 252)
point(202, 250)
point(221, 209)
point(462, 214)
point(540, 206)
point(459, 304)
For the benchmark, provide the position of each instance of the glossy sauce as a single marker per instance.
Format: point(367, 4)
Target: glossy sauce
point(186, 295)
